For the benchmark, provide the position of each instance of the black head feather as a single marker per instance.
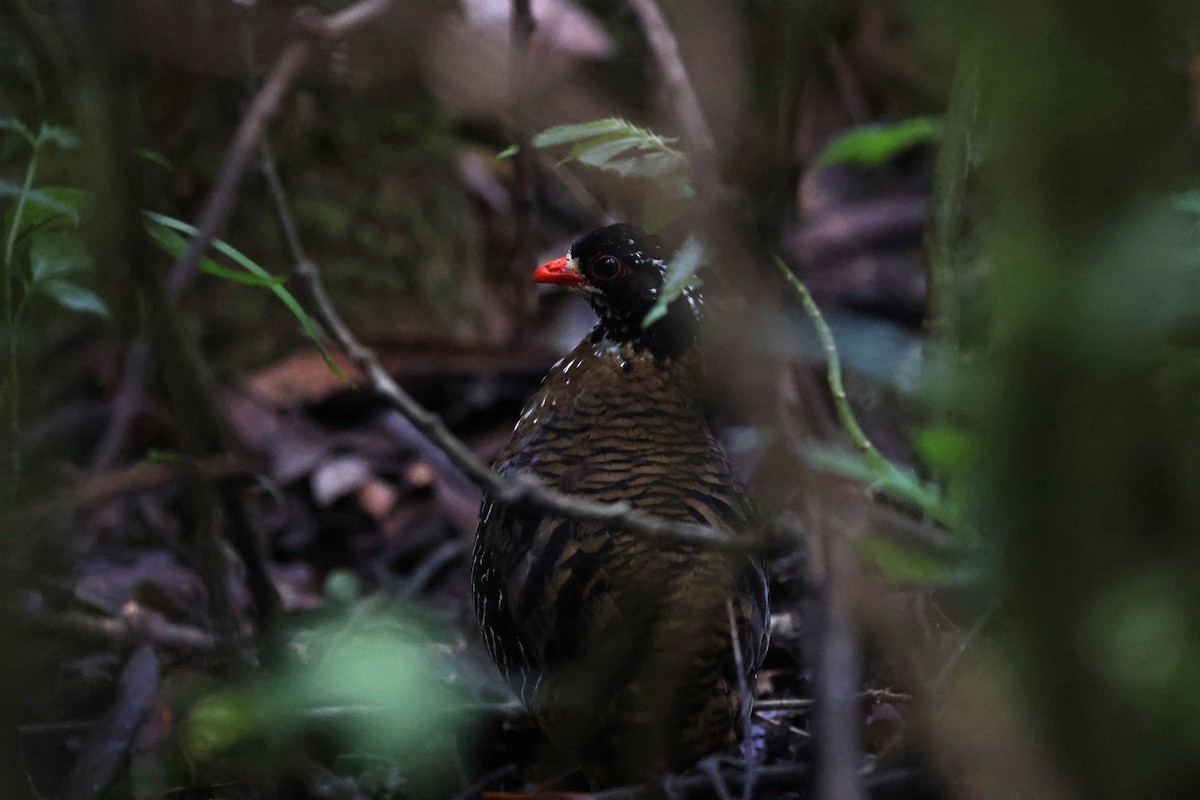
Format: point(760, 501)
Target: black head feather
point(623, 268)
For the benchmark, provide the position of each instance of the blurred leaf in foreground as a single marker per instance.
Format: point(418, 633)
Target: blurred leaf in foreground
point(867, 145)
point(373, 686)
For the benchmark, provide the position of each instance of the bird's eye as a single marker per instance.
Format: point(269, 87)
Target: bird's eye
point(606, 268)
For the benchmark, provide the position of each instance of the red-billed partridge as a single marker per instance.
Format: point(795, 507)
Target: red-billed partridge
point(620, 645)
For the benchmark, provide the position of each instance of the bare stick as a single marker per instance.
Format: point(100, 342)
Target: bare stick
point(747, 699)
point(848, 84)
point(682, 95)
point(799, 704)
point(838, 752)
point(135, 625)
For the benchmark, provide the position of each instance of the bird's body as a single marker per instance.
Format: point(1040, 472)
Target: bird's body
point(621, 646)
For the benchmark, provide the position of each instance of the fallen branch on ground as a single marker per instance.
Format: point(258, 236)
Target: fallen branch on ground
point(135, 625)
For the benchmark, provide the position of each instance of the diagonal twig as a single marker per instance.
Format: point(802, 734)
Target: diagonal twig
point(679, 87)
point(684, 101)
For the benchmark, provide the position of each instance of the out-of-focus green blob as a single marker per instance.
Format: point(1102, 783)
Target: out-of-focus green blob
point(373, 688)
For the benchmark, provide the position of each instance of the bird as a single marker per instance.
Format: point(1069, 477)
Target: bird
point(622, 646)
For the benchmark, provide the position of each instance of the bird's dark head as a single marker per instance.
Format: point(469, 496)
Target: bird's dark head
point(620, 269)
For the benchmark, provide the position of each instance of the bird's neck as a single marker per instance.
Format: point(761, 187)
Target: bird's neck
point(669, 337)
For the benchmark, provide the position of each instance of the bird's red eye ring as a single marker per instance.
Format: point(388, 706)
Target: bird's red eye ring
point(605, 268)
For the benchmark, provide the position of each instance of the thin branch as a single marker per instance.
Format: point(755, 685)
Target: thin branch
point(744, 689)
point(800, 704)
point(682, 95)
point(784, 704)
point(834, 363)
point(837, 677)
point(423, 575)
point(712, 768)
point(135, 625)
point(126, 404)
point(108, 744)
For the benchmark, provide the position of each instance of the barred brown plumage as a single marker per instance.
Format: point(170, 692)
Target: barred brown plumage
point(620, 646)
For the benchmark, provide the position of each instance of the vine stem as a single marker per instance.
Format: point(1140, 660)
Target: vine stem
point(834, 365)
point(887, 474)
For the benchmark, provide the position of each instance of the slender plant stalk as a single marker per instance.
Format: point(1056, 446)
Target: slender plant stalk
point(885, 471)
point(13, 394)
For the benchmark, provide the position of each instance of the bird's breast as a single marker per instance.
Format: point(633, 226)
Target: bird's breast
point(613, 423)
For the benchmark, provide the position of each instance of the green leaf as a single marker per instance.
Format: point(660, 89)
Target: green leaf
point(56, 254)
point(254, 269)
point(624, 148)
point(867, 145)
point(218, 723)
point(509, 151)
point(652, 165)
point(73, 296)
point(599, 151)
point(895, 481)
point(681, 273)
point(154, 157)
point(175, 246)
point(14, 125)
point(59, 136)
point(157, 455)
point(590, 135)
point(565, 134)
point(43, 205)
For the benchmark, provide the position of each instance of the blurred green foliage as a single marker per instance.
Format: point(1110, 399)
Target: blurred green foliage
point(166, 231)
point(868, 145)
point(1081, 391)
point(367, 692)
point(43, 257)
